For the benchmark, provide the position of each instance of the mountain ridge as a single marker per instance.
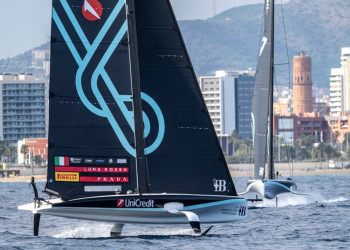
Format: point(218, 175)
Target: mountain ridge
point(231, 39)
point(318, 27)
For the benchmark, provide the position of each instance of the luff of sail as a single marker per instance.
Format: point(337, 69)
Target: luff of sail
point(262, 93)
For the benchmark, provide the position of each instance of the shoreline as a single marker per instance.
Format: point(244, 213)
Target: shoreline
point(286, 173)
point(24, 178)
point(285, 169)
point(235, 172)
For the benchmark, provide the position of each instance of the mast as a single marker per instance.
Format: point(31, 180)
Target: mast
point(270, 168)
point(262, 104)
point(143, 183)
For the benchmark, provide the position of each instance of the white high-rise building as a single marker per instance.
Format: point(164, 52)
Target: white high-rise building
point(340, 85)
point(345, 56)
point(336, 98)
point(219, 94)
point(345, 65)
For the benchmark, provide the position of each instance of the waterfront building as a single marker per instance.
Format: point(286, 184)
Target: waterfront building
point(339, 85)
point(23, 107)
point(244, 97)
point(228, 96)
point(345, 65)
point(219, 95)
point(339, 126)
point(336, 91)
point(291, 127)
point(36, 151)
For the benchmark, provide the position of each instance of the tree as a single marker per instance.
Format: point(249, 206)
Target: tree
point(325, 151)
point(306, 140)
point(302, 153)
point(346, 141)
point(6, 151)
point(38, 160)
point(331, 152)
point(347, 153)
point(318, 152)
point(24, 150)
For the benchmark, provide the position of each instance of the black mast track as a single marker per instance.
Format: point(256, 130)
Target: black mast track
point(270, 163)
point(142, 171)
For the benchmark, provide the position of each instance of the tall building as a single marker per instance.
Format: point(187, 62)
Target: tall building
point(244, 94)
point(219, 95)
point(23, 107)
point(336, 91)
point(339, 85)
point(302, 84)
point(345, 66)
point(228, 96)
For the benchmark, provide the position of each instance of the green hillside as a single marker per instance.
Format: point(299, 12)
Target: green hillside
point(22, 64)
point(231, 39)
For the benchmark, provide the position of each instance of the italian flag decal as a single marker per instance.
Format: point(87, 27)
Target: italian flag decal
point(61, 161)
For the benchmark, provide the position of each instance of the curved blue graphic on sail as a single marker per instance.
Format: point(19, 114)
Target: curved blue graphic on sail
point(104, 110)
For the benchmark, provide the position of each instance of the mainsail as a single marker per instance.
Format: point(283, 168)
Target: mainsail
point(109, 65)
point(262, 103)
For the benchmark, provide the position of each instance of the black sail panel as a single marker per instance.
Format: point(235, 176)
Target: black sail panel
point(91, 138)
point(262, 93)
point(182, 151)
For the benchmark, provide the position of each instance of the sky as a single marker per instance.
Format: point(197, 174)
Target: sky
point(25, 24)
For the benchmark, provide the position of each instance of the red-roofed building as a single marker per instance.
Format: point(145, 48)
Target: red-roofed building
point(36, 150)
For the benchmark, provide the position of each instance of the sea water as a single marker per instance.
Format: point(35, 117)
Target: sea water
point(298, 223)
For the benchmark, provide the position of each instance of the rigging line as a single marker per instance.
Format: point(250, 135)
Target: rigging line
point(289, 154)
point(287, 51)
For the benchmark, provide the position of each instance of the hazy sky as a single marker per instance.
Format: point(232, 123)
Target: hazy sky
point(25, 24)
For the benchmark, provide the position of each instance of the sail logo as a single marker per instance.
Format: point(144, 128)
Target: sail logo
point(264, 41)
point(92, 10)
point(63, 176)
point(120, 203)
point(219, 185)
point(242, 211)
point(137, 203)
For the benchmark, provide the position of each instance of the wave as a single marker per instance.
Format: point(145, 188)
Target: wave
point(292, 200)
point(102, 230)
point(284, 201)
point(336, 200)
point(85, 230)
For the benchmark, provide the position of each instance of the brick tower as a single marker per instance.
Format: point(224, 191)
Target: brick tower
point(302, 84)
